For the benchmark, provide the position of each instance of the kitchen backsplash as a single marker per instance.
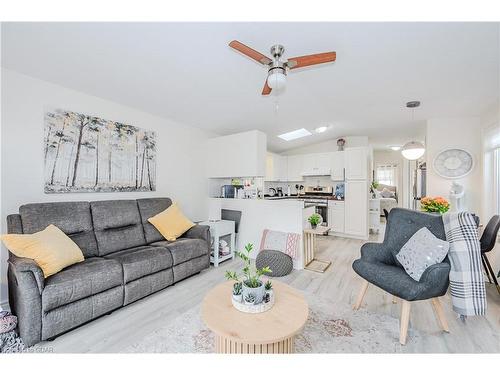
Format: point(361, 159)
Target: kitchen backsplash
point(308, 181)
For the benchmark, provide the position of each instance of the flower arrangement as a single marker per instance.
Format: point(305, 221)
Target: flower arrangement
point(436, 204)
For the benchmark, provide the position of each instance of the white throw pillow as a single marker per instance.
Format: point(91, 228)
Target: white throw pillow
point(386, 193)
point(421, 251)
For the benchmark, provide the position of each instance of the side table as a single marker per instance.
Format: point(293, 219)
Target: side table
point(310, 246)
point(218, 230)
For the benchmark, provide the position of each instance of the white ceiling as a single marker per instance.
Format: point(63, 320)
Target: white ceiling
point(186, 72)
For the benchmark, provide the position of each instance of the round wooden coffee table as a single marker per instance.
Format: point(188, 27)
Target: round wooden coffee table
point(270, 332)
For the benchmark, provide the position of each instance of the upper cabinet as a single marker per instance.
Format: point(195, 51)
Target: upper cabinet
point(295, 167)
point(356, 163)
point(237, 155)
point(337, 166)
point(317, 164)
point(276, 167)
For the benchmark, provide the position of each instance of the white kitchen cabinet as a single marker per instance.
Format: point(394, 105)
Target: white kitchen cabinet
point(356, 163)
point(237, 155)
point(276, 167)
point(317, 164)
point(324, 160)
point(337, 166)
point(295, 167)
point(336, 216)
point(356, 208)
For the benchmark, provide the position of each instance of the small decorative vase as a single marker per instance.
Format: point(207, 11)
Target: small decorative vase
point(313, 226)
point(269, 296)
point(257, 292)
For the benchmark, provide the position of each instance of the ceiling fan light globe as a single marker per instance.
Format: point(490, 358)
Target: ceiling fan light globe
point(413, 150)
point(276, 81)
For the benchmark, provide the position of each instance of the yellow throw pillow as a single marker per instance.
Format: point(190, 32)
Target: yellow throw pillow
point(50, 248)
point(171, 223)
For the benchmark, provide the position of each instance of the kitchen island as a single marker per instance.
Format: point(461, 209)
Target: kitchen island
point(285, 215)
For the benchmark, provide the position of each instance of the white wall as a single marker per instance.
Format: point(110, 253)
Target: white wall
point(180, 166)
point(490, 124)
point(463, 133)
point(328, 146)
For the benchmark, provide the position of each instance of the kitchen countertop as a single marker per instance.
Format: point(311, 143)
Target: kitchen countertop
point(304, 196)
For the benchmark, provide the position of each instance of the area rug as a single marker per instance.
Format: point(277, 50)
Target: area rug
point(330, 328)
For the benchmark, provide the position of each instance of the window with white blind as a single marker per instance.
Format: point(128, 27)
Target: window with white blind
point(386, 174)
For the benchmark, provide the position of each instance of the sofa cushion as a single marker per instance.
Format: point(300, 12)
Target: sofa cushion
point(392, 279)
point(149, 207)
point(92, 276)
point(117, 225)
point(142, 261)
point(184, 249)
point(171, 223)
point(50, 248)
point(73, 218)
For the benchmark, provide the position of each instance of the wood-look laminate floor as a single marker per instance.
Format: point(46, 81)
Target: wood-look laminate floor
point(123, 327)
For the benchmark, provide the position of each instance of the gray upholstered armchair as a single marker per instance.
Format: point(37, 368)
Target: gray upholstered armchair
point(379, 267)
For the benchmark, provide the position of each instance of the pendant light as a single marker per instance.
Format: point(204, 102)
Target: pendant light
point(413, 150)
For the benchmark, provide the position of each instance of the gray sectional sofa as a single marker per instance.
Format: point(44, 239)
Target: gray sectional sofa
point(126, 259)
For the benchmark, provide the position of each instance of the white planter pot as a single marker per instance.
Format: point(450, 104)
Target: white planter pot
point(237, 298)
point(258, 292)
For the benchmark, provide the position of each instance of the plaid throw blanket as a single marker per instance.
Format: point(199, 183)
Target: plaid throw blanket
point(287, 243)
point(468, 293)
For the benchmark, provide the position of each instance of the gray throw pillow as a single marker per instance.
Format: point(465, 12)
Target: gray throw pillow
point(421, 251)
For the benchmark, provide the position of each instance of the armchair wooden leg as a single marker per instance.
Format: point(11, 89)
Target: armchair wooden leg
point(361, 295)
point(405, 319)
point(438, 311)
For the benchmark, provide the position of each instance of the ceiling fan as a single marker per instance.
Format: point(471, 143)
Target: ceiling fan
point(276, 78)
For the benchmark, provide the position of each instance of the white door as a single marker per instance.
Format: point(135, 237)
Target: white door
point(337, 166)
point(356, 208)
point(356, 163)
point(295, 168)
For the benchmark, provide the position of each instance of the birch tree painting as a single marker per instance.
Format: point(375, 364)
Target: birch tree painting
point(89, 154)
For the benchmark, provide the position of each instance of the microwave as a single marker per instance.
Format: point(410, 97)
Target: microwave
point(230, 191)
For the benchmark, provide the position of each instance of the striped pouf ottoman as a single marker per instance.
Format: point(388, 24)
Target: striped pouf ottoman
point(280, 263)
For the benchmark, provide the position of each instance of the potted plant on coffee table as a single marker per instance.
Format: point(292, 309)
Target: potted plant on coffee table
point(314, 220)
point(251, 279)
point(237, 290)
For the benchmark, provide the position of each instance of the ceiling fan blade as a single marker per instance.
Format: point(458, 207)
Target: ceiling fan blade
point(318, 58)
point(266, 90)
point(253, 54)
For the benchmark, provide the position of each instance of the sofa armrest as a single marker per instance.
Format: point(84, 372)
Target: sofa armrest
point(28, 265)
point(26, 284)
point(374, 251)
point(436, 280)
point(437, 274)
point(201, 232)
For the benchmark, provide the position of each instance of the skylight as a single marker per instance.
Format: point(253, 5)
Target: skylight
point(295, 134)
